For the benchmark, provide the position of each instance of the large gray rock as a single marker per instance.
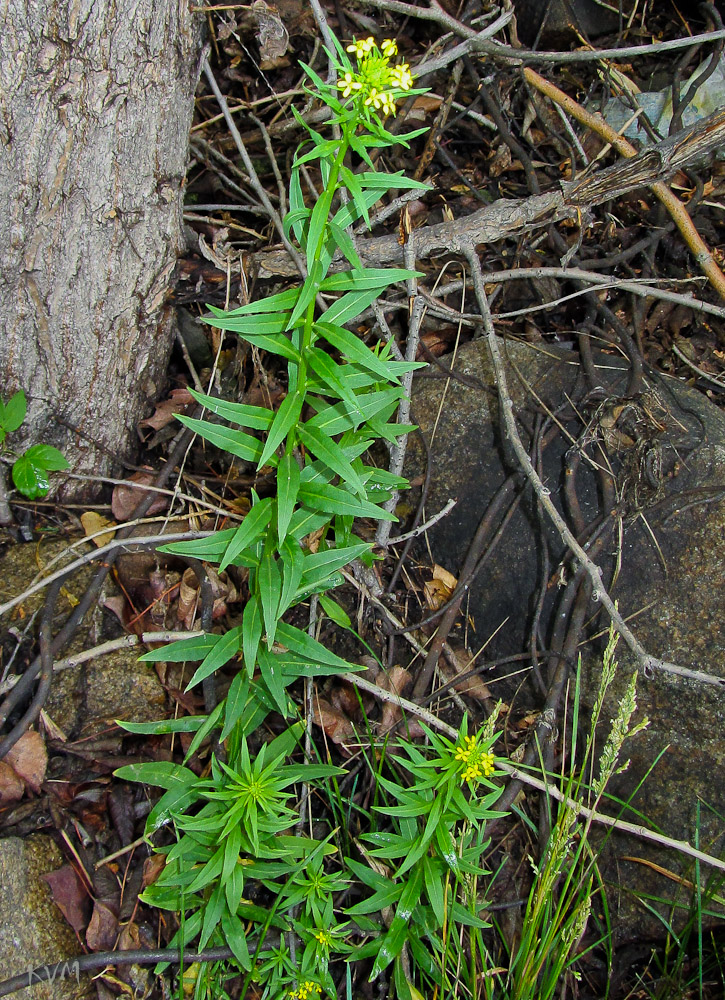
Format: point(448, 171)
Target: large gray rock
point(668, 448)
point(33, 931)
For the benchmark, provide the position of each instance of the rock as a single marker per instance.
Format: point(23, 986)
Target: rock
point(668, 450)
point(86, 699)
point(33, 931)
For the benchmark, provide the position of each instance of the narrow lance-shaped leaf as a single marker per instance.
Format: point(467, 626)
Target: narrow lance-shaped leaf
point(287, 416)
point(329, 452)
point(288, 484)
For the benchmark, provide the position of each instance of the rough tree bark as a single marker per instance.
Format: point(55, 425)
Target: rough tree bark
point(96, 102)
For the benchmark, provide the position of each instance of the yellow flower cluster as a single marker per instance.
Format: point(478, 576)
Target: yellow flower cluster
point(325, 938)
point(376, 81)
point(479, 763)
point(304, 991)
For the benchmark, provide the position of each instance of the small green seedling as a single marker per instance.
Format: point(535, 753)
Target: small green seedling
point(30, 470)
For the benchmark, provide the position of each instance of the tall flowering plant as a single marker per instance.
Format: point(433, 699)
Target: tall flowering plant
point(342, 396)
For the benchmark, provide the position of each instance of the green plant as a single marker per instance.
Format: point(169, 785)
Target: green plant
point(232, 825)
point(435, 844)
point(30, 470)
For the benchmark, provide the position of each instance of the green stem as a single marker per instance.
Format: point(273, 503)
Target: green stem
point(307, 333)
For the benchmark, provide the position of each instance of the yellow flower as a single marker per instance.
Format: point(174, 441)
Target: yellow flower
point(362, 48)
point(401, 76)
point(376, 81)
point(304, 991)
point(348, 85)
point(479, 763)
point(325, 938)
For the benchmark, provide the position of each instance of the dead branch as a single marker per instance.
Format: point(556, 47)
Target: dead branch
point(511, 216)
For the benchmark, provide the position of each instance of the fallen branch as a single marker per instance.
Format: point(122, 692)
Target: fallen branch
point(512, 216)
point(680, 216)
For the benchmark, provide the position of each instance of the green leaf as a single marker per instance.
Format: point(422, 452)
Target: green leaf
point(305, 521)
point(319, 566)
point(333, 500)
point(351, 182)
point(252, 632)
point(189, 724)
point(269, 581)
point(225, 649)
point(309, 290)
point(288, 484)
point(195, 648)
point(234, 442)
point(321, 149)
point(286, 417)
point(367, 277)
point(12, 413)
point(352, 347)
point(273, 677)
point(237, 698)
point(349, 307)
point(345, 243)
point(318, 221)
point(329, 452)
point(29, 479)
point(160, 774)
point(390, 182)
point(257, 418)
point(299, 642)
point(249, 531)
point(44, 456)
point(336, 419)
point(212, 722)
point(293, 562)
point(332, 375)
point(333, 610)
point(236, 939)
point(281, 302)
point(293, 219)
point(397, 934)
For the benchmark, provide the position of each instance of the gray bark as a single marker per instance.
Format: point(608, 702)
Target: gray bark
point(96, 102)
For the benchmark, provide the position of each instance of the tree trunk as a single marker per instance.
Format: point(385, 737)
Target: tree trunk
point(95, 107)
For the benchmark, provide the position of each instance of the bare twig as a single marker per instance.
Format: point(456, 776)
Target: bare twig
point(422, 528)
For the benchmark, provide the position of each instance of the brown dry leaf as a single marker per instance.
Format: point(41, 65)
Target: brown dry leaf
point(189, 607)
point(438, 590)
point(474, 686)
point(70, 896)
point(11, 786)
point(29, 759)
point(397, 682)
point(102, 929)
point(272, 36)
point(125, 499)
point(93, 522)
point(165, 412)
point(152, 868)
point(336, 725)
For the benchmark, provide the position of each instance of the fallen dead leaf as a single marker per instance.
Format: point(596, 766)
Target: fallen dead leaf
point(125, 499)
point(94, 522)
point(103, 928)
point(166, 410)
point(438, 590)
point(336, 726)
point(70, 896)
point(29, 759)
point(11, 786)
